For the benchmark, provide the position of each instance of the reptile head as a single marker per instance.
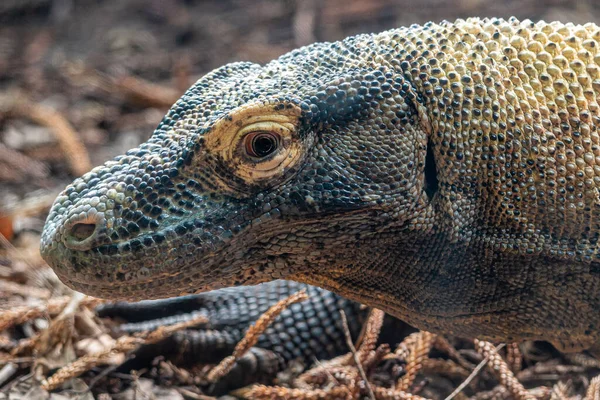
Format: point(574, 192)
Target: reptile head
point(256, 173)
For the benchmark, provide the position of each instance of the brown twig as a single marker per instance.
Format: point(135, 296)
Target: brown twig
point(376, 356)
point(560, 391)
point(442, 344)
point(20, 315)
point(357, 361)
point(550, 371)
point(582, 359)
point(124, 344)
point(497, 393)
point(189, 394)
point(447, 368)
point(370, 334)
point(593, 392)
point(181, 73)
point(59, 331)
point(322, 374)
point(304, 22)
point(252, 335)
point(414, 361)
point(514, 358)
point(394, 394)
point(259, 392)
point(470, 378)
point(502, 371)
point(403, 349)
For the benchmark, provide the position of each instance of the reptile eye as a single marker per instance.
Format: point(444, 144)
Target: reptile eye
point(261, 144)
point(258, 143)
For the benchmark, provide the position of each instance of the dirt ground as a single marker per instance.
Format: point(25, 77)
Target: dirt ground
point(82, 81)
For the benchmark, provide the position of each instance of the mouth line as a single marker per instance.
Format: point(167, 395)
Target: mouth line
point(133, 290)
point(94, 282)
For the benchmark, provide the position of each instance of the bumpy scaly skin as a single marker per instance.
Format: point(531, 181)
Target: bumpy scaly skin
point(498, 241)
point(304, 332)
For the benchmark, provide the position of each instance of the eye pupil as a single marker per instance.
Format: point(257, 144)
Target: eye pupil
point(262, 145)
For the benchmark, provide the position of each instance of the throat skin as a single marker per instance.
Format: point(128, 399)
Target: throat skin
point(488, 300)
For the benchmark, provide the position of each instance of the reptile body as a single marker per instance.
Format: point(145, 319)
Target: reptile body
point(304, 332)
point(448, 174)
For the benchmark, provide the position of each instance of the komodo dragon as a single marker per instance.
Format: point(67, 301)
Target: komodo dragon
point(447, 173)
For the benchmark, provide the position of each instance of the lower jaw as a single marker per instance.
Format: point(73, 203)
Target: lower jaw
point(156, 288)
point(125, 292)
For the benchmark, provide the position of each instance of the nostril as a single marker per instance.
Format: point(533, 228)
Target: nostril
point(81, 235)
point(81, 231)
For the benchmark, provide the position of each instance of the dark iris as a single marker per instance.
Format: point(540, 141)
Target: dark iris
point(261, 144)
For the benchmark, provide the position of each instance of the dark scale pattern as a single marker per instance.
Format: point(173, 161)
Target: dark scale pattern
point(305, 331)
point(498, 240)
